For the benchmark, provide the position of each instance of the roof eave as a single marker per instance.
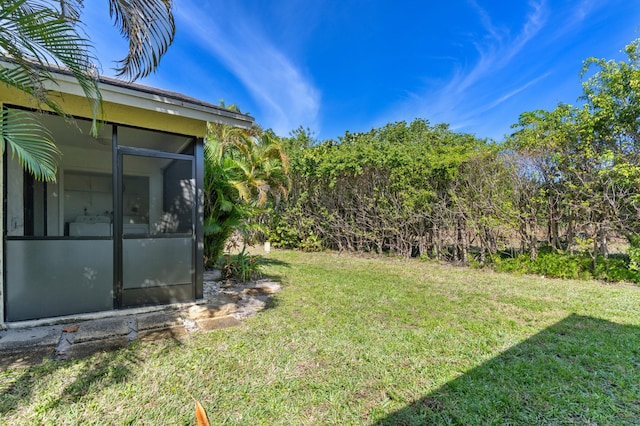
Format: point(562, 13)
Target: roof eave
point(153, 101)
point(145, 97)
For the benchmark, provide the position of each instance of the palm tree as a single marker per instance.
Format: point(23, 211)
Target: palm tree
point(261, 170)
point(244, 168)
point(36, 34)
point(222, 212)
point(259, 166)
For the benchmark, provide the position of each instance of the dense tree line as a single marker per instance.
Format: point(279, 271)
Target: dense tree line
point(411, 189)
point(566, 181)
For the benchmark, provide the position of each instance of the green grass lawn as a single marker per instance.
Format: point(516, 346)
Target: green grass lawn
point(369, 341)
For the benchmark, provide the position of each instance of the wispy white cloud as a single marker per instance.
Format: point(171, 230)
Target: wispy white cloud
point(583, 9)
point(473, 90)
point(285, 96)
point(514, 92)
point(574, 16)
point(498, 49)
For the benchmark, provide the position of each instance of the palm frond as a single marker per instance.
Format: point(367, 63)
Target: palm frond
point(243, 188)
point(70, 9)
point(262, 196)
point(30, 142)
point(150, 28)
point(35, 35)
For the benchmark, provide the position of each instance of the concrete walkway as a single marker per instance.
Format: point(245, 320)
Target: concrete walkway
point(224, 305)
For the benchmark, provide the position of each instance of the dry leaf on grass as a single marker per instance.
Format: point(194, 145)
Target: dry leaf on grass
point(201, 415)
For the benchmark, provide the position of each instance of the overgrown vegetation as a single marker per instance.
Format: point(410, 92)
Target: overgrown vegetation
point(565, 265)
point(566, 181)
point(244, 170)
point(375, 341)
point(388, 190)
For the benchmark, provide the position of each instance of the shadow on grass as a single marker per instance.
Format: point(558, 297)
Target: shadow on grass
point(269, 261)
point(581, 370)
point(98, 372)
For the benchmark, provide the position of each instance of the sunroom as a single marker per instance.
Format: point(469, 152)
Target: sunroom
point(121, 226)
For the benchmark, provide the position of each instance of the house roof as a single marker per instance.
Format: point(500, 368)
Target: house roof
point(146, 97)
point(173, 96)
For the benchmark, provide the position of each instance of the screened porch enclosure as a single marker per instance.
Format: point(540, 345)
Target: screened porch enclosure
point(117, 229)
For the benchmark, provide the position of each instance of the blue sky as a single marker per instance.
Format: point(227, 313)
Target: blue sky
point(334, 66)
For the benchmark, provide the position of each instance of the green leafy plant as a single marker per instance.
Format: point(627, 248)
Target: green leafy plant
point(518, 265)
point(615, 269)
point(242, 266)
point(571, 266)
point(311, 243)
point(634, 253)
point(556, 265)
point(245, 170)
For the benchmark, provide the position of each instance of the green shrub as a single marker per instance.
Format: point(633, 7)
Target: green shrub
point(311, 243)
point(283, 235)
point(615, 269)
point(293, 232)
point(520, 264)
point(242, 266)
point(570, 266)
point(634, 253)
point(556, 265)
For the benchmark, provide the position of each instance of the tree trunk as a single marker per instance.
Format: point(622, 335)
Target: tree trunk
point(570, 233)
point(462, 243)
point(603, 248)
point(552, 226)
